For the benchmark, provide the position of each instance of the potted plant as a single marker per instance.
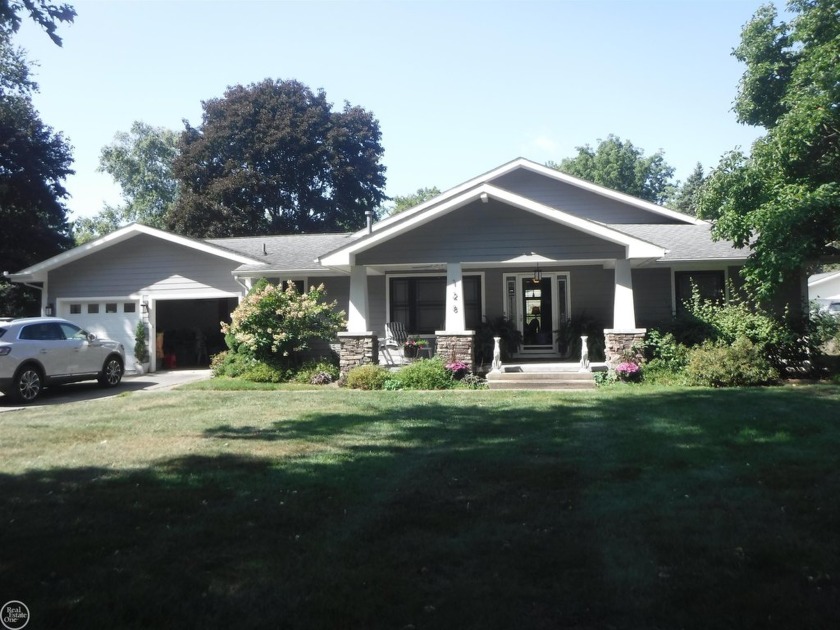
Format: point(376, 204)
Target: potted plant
point(412, 347)
point(141, 348)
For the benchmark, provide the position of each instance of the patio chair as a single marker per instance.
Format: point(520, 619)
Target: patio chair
point(395, 337)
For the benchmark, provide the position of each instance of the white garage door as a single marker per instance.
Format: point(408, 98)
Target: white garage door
point(114, 319)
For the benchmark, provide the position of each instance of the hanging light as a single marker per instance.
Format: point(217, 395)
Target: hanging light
point(537, 276)
point(48, 310)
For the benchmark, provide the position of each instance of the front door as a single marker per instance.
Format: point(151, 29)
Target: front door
point(539, 310)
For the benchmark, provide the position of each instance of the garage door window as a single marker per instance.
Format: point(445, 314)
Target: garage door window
point(75, 309)
point(111, 307)
point(129, 307)
point(93, 309)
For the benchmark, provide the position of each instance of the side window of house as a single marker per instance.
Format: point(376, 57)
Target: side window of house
point(710, 285)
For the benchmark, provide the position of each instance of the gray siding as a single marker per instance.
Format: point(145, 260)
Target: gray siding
point(593, 293)
point(574, 200)
point(143, 264)
point(491, 232)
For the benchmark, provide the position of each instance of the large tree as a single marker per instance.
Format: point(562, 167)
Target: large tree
point(273, 157)
point(46, 14)
point(404, 202)
point(34, 160)
point(620, 165)
point(783, 199)
point(140, 161)
point(686, 196)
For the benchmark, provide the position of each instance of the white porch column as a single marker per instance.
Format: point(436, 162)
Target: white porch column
point(624, 314)
point(357, 312)
point(455, 321)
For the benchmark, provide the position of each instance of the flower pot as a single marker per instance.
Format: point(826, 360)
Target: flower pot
point(410, 352)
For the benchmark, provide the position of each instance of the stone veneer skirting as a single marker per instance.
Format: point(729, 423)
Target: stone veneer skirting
point(462, 344)
point(620, 343)
point(357, 349)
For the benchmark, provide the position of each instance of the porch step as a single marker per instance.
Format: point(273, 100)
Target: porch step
point(549, 377)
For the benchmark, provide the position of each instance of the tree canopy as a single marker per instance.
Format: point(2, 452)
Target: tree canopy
point(404, 202)
point(686, 196)
point(273, 157)
point(140, 161)
point(621, 166)
point(33, 162)
point(783, 199)
point(46, 14)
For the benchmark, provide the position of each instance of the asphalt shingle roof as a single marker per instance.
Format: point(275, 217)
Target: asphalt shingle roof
point(287, 252)
point(683, 242)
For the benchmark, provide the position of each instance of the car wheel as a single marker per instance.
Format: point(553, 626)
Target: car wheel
point(27, 385)
point(112, 372)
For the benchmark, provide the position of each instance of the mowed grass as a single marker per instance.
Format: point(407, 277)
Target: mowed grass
point(620, 508)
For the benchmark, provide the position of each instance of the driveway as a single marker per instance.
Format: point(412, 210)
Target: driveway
point(90, 390)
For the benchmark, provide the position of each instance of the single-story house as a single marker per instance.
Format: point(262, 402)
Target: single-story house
point(522, 241)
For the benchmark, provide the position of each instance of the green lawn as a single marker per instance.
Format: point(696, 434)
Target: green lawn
point(620, 508)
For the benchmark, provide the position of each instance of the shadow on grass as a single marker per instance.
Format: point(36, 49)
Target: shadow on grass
point(694, 510)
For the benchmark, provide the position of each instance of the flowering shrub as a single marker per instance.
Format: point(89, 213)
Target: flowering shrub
point(628, 371)
point(458, 368)
point(273, 320)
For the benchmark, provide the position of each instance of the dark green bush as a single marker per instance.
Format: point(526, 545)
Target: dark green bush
point(569, 337)
point(424, 374)
point(719, 364)
point(511, 339)
point(367, 377)
point(231, 364)
point(261, 372)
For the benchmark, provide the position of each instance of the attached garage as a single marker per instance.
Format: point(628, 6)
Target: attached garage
point(188, 332)
point(181, 287)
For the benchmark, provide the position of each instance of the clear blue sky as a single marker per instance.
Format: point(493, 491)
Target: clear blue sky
point(458, 87)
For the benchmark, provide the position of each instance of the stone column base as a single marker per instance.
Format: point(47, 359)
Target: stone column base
point(620, 343)
point(357, 349)
point(462, 344)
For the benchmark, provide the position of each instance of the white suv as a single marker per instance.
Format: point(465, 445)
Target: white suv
point(40, 351)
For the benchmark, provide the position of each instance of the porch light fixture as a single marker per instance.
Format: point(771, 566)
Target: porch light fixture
point(144, 307)
point(48, 310)
point(537, 276)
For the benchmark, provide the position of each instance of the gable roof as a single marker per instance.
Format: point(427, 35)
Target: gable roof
point(550, 173)
point(406, 221)
point(38, 271)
